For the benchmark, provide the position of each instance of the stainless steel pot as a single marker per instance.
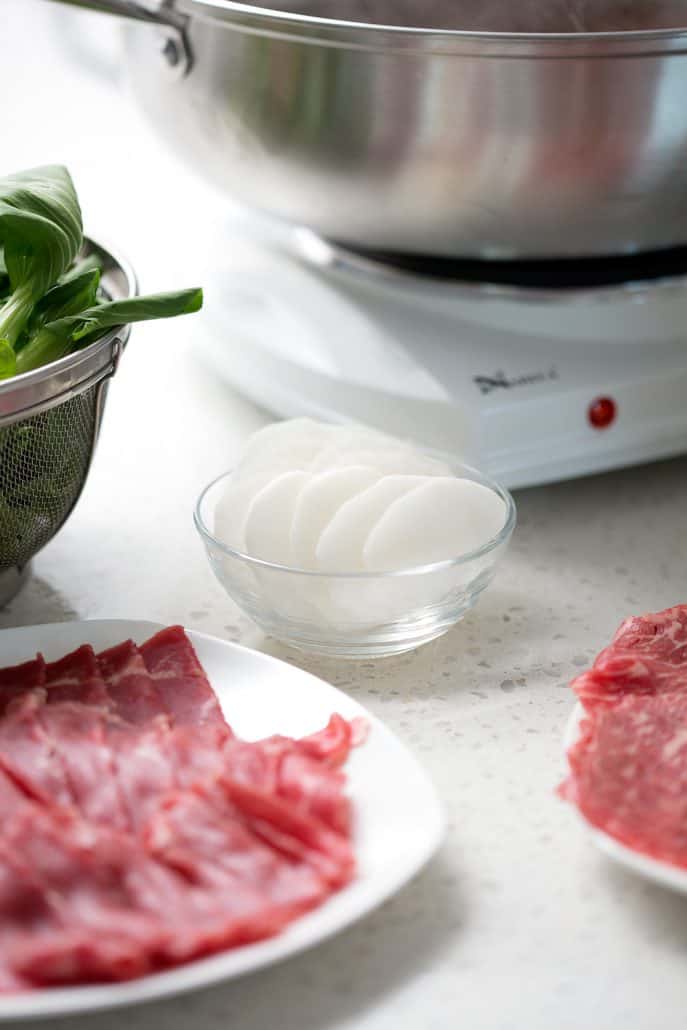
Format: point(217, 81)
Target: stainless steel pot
point(480, 136)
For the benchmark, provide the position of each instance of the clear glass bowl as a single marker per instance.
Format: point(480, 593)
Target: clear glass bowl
point(359, 614)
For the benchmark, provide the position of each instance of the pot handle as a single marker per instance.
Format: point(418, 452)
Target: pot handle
point(176, 49)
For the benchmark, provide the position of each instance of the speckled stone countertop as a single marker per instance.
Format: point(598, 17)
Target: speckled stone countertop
point(518, 922)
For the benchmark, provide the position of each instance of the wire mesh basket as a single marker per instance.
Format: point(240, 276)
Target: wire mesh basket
point(49, 425)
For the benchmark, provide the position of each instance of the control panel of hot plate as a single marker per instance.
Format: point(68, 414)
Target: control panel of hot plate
point(529, 384)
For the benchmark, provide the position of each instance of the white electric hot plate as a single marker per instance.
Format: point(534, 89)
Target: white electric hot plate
point(654, 869)
point(398, 819)
point(528, 385)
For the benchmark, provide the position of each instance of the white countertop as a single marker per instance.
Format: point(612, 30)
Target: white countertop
point(519, 922)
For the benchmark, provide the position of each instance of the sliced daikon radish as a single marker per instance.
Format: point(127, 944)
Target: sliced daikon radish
point(347, 442)
point(290, 444)
point(442, 518)
point(399, 460)
point(353, 437)
point(296, 432)
point(340, 547)
point(239, 492)
point(231, 510)
point(319, 500)
point(269, 518)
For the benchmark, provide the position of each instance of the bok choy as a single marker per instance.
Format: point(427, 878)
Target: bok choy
point(57, 337)
point(50, 304)
point(41, 233)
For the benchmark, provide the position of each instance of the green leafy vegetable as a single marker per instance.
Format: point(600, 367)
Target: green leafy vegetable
point(41, 233)
point(51, 304)
point(8, 360)
point(56, 338)
point(4, 278)
point(91, 263)
point(73, 294)
point(136, 309)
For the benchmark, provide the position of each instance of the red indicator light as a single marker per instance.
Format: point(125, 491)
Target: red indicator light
point(602, 412)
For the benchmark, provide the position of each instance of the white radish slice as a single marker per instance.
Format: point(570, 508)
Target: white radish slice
point(318, 502)
point(354, 437)
point(231, 510)
point(340, 547)
point(268, 521)
point(443, 518)
point(282, 445)
point(399, 460)
point(294, 432)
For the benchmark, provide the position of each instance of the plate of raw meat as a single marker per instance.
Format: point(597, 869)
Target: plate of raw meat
point(178, 810)
point(626, 743)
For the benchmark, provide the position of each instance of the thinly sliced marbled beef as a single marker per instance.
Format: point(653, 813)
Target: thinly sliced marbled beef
point(291, 831)
point(76, 677)
point(83, 903)
point(92, 926)
point(18, 679)
point(28, 757)
point(648, 655)
point(628, 773)
point(77, 735)
point(280, 766)
point(628, 766)
point(58, 922)
point(207, 839)
point(80, 903)
point(144, 767)
point(332, 745)
point(131, 690)
point(172, 662)
point(138, 832)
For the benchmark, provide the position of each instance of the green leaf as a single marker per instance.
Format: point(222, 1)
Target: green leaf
point(8, 360)
point(122, 312)
point(56, 339)
point(41, 234)
point(87, 264)
point(75, 292)
point(136, 309)
point(4, 277)
point(41, 349)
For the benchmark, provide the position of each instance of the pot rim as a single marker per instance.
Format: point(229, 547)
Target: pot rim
point(275, 21)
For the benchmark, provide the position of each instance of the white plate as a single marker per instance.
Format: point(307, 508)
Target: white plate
point(399, 821)
point(651, 868)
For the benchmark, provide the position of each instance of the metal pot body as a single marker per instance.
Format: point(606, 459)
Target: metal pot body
point(424, 141)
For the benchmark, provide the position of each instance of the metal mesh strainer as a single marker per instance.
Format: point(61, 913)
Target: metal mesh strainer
point(49, 424)
point(43, 463)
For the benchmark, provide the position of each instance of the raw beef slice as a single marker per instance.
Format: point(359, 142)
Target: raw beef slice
point(179, 677)
point(138, 832)
point(132, 692)
point(647, 655)
point(17, 679)
point(76, 677)
point(628, 773)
